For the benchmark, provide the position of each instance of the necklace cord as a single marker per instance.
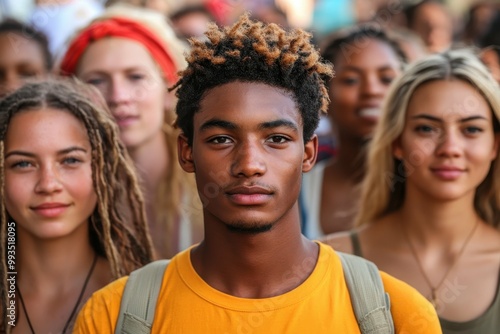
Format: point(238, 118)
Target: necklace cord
point(451, 266)
point(87, 279)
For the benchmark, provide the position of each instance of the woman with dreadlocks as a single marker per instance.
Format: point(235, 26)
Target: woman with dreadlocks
point(72, 214)
point(132, 56)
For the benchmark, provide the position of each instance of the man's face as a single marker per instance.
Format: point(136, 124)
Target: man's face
point(248, 154)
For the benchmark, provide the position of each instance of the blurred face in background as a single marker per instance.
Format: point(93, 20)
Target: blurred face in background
point(434, 25)
point(362, 78)
point(132, 84)
point(21, 59)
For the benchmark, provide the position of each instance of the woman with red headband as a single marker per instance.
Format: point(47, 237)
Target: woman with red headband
point(132, 56)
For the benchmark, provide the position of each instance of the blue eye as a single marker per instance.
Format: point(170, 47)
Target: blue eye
point(22, 164)
point(424, 128)
point(95, 82)
point(473, 130)
point(71, 161)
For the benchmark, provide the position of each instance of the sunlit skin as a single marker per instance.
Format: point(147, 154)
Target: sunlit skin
point(48, 176)
point(132, 85)
point(364, 73)
point(447, 145)
point(21, 59)
point(49, 194)
point(136, 93)
point(448, 141)
point(248, 154)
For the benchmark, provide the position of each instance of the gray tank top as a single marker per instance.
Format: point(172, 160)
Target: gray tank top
point(487, 323)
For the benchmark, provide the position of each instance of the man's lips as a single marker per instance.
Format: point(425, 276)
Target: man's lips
point(249, 195)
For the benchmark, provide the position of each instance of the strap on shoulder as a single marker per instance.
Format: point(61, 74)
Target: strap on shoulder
point(138, 305)
point(369, 300)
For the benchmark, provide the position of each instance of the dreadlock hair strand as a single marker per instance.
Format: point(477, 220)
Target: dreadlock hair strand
point(118, 229)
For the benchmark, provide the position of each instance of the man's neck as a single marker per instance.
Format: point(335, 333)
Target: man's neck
point(258, 265)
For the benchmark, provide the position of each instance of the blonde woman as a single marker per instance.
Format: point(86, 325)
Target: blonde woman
point(132, 56)
point(431, 198)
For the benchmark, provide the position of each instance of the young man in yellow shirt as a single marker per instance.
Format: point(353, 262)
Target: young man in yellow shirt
point(249, 102)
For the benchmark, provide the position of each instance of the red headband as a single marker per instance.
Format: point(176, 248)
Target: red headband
point(118, 27)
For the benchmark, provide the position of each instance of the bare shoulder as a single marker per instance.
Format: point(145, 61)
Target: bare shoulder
point(340, 241)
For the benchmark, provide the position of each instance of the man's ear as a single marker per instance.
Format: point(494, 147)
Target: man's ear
point(185, 154)
point(310, 154)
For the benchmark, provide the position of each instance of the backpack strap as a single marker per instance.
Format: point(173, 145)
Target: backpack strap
point(138, 305)
point(369, 300)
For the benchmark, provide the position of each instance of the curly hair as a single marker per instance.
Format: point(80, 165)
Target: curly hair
point(251, 51)
point(343, 40)
point(117, 228)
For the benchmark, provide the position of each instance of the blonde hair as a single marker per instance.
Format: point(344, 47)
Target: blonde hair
point(383, 189)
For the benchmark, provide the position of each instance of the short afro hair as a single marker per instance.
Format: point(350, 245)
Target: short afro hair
point(251, 51)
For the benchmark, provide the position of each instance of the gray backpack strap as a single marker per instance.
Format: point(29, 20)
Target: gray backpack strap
point(138, 305)
point(369, 300)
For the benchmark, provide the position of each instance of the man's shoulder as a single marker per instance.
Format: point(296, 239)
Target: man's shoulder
point(411, 312)
point(100, 312)
point(109, 297)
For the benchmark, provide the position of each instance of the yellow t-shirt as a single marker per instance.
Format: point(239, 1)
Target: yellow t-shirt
point(321, 304)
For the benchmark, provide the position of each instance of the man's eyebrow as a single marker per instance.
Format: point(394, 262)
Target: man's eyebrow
point(218, 123)
point(279, 123)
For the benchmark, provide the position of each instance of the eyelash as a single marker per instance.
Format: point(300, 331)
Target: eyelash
point(75, 160)
point(427, 129)
point(21, 164)
point(17, 164)
point(215, 140)
point(227, 140)
point(424, 128)
point(95, 82)
point(284, 139)
point(475, 130)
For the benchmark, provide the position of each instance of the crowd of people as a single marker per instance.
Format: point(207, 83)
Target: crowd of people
point(258, 158)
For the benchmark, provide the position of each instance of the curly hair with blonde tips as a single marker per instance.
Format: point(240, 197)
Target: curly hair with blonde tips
point(252, 51)
point(383, 189)
point(117, 230)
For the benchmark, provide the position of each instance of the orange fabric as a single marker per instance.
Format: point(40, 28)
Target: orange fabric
point(321, 304)
point(118, 27)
